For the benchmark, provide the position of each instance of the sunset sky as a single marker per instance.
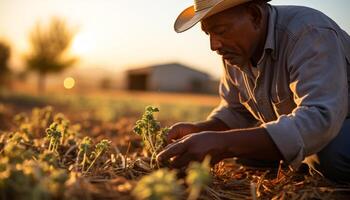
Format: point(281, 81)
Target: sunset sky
point(117, 34)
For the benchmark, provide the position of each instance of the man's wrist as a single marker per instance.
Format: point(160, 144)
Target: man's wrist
point(253, 143)
point(211, 125)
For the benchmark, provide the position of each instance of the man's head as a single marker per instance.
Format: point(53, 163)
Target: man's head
point(238, 34)
point(236, 28)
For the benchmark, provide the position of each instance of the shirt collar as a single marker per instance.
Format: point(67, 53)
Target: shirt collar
point(270, 42)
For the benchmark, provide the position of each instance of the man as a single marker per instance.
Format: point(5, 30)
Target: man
point(284, 93)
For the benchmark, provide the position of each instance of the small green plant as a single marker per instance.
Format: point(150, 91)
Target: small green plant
point(40, 120)
point(153, 136)
point(54, 136)
point(63, 126)
point(22, 121)
point(16, 151)
point(31, 180)
point(69, 132)
point(198, 176)
point(20, 118)
point(30, 166)
point(49, 157)
point(159, 185)
point(85, 148)
point(100, 149)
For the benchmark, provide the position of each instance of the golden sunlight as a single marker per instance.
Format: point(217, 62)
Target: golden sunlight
point(69, 83)
point(82, 44)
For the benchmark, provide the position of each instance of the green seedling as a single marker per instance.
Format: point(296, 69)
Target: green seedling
point(153, 136)
point(31, 180)
point(54, 136)
point(17, 152)
point(22, 121)
point(198, 176)
point(100, 149)
point(159, 185)
point(85, 147)
point(68, 131)
point(49, 157)
point(63, 126)
point(41, 116)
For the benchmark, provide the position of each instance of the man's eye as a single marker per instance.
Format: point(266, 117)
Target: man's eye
point(220, 31)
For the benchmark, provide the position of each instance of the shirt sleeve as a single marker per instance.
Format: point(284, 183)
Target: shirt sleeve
point(230, 110)
point(318, 80)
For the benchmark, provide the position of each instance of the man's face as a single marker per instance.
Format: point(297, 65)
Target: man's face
point(233, 35)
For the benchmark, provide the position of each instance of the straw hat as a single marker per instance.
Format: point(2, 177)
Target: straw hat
point(200, 10)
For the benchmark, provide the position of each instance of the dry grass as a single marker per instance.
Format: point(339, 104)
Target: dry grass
point(231, 181)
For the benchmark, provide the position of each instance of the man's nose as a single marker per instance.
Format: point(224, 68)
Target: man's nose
point(215, 44)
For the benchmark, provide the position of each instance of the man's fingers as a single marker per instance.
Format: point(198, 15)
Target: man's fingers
point(172, 135)
point(171, 151)
point(181, 161)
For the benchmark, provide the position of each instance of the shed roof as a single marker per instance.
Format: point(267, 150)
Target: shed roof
point(149, 69)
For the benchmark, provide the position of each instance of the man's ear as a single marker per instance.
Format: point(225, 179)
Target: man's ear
point(256, 13)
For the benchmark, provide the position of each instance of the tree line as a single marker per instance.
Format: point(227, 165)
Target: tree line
point(48, 54)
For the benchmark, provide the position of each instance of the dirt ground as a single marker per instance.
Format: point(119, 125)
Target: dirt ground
point(230, 180)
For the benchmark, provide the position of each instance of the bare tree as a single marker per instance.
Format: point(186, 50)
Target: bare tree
point(49, 45)
point(5, 53)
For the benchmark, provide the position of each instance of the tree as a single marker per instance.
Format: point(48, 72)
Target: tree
point(5, 53)
point(49, 46)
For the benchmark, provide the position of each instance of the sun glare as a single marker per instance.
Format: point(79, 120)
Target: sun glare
point(69, 83)
point(81, 44)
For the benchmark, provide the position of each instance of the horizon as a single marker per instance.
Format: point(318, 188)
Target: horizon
point(118, 35)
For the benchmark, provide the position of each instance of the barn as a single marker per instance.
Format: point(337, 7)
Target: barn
point(172, 77)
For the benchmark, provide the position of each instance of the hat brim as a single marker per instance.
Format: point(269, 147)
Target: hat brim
point(188, 18)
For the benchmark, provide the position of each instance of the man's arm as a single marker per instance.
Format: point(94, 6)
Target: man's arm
point(212, 125)
point(253, 143)
point(318, 80)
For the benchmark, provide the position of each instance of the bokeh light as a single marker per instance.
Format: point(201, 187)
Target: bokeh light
point(69, 83)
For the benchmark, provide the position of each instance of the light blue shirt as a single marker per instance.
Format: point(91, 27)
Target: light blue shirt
point(300, 94)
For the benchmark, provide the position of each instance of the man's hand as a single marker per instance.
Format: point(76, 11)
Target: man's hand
point(180, 130)
point(194, 147)
point(252, 143)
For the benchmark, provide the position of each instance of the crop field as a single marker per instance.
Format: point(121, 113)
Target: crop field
point(103, 146)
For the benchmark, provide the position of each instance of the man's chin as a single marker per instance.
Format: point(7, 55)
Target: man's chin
point(233, 62)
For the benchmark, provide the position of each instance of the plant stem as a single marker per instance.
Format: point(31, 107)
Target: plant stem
point(98, 155)
point(83, 163)
point(150, 141)
point(50, 144)
point(194, 193)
